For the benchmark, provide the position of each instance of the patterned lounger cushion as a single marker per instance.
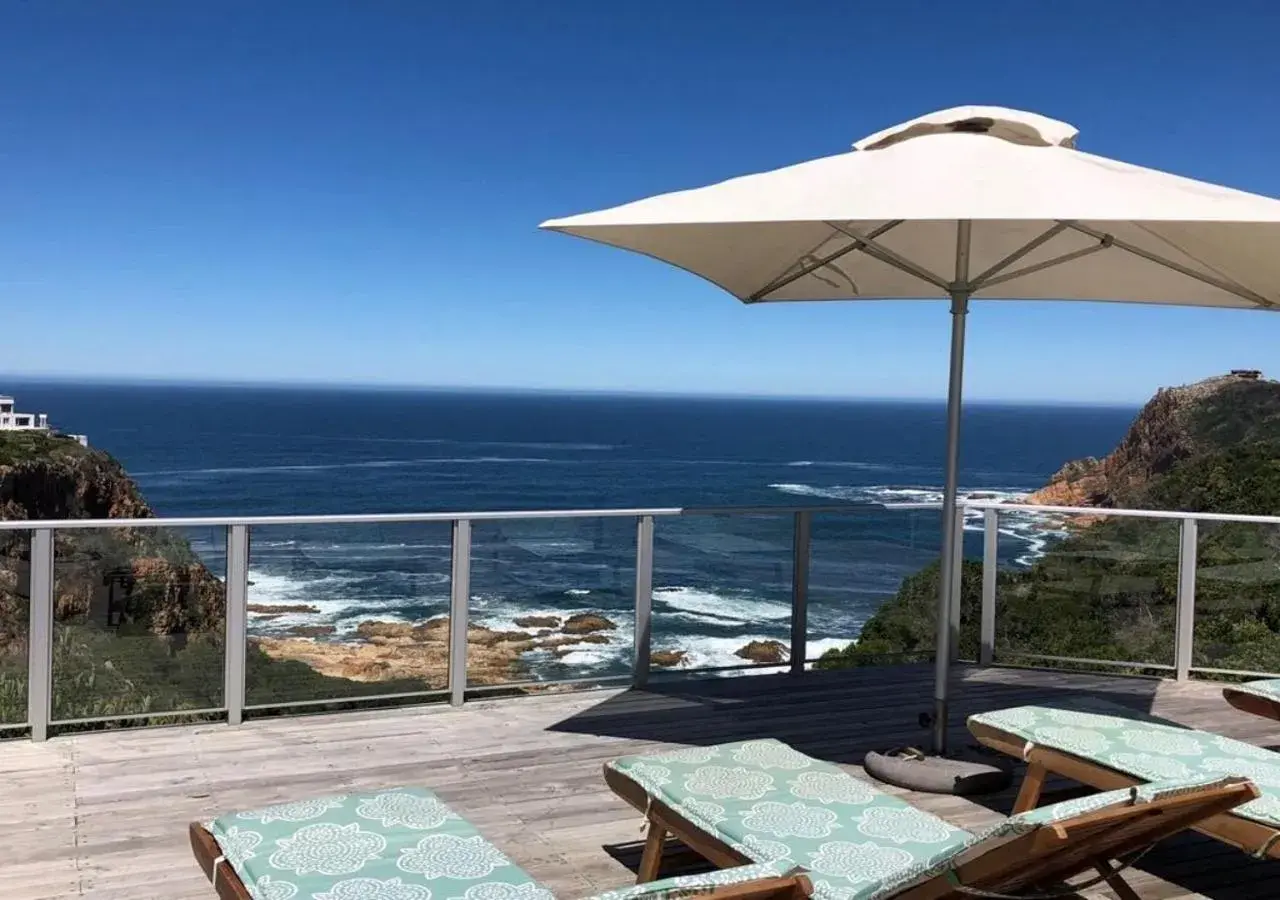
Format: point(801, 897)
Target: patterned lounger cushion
point(398, 844)
point(1145, 747)
point(772, 803)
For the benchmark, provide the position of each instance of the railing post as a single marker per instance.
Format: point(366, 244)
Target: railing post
point(800, 591)
point(644, 601)
point(236, 637)
point(1186, 621)
point(459, 611)
point(957, 570)
point(990, 560)
point(40, 635)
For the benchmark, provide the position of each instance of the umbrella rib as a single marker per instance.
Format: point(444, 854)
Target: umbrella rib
point(784, 279)
point(1016, 255)
point(889, 257)
point(1047, 264)
point(1222, 284)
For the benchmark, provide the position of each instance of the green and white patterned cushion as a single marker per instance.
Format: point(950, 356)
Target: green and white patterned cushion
point(1145, 747)
point(395, 844)
point(681, 886)
point(1268, 689)
point(774, 804)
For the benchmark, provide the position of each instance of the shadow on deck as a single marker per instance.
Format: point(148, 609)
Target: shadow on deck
point(103, 814)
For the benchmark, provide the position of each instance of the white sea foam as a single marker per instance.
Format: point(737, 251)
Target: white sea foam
point(331, 598)
point(844, 464)
point(591, 656)
point(527, 445)
point(891, 493)
point(363, 464)
point(718, 608)
point(1036, 530)
point(835, 492)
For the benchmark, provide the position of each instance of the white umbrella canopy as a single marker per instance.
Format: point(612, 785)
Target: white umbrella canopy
point(830, 229)
point(972, 202)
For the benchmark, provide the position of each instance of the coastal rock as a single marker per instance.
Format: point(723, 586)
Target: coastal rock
point(386, 651)
point(763, 652)
point(281, 608)
point(570, 640)
point(485, 637)
point(538, 622)
point(398, 650)
point(667, 659)
point(394, 630)
point(311, 630)
point(585, 623)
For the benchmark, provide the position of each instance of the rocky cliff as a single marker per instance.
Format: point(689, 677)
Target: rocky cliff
point(138, 579)
point(1178, 425)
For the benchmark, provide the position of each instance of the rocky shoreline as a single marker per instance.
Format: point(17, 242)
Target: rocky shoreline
point(387, 651)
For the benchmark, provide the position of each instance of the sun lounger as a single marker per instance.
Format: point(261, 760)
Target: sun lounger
point(405, 844)
point(762, 801)
point(1106, 746)
point(1262, 698)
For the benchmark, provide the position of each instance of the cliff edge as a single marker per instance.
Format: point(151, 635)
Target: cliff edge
point(141, 579)
point(1179, 425)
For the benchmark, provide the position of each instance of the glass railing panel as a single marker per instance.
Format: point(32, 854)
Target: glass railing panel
point(15, 587)
point(1237, 605)
point(551, 600)
point(873, 588)
point(1086, 587)
point(721, 591)
point(138, 621)
point(340, 612)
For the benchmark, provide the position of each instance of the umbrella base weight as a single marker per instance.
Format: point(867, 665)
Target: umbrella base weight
point(963, 774)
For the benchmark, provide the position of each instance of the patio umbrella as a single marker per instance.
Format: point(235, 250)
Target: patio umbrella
point(968, 203)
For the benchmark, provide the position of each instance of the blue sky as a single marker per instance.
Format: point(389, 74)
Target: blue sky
point(349, 192)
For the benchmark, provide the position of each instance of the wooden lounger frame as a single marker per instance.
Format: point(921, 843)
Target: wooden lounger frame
point(229, 886)
point(1041, 858)
point(1267, 707)
point(1241, 833)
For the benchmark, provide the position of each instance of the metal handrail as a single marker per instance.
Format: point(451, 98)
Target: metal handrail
point(410, 518)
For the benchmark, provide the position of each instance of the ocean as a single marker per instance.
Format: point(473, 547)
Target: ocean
point(719, 581)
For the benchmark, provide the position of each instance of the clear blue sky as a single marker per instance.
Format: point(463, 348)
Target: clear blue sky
point(350, 191)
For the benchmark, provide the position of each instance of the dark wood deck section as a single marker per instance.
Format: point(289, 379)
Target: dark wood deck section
point(104, 815)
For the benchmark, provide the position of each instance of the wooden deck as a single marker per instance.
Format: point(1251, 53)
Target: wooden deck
point(104, 815)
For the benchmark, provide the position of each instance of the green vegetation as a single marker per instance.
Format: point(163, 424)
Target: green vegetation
point(1108, 591)
point(100, 672)
point(23, 446)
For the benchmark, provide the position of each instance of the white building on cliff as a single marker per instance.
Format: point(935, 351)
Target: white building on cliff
point(12, 420)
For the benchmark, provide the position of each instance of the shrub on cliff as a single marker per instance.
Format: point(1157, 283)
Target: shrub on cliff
point(904, 629)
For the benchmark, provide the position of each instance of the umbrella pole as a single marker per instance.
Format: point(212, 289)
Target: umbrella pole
point(951, 536)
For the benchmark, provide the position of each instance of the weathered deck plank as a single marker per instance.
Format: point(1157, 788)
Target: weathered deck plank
point(103, 815)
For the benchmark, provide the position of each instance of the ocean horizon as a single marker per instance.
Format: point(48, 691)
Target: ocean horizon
point(719, 582)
